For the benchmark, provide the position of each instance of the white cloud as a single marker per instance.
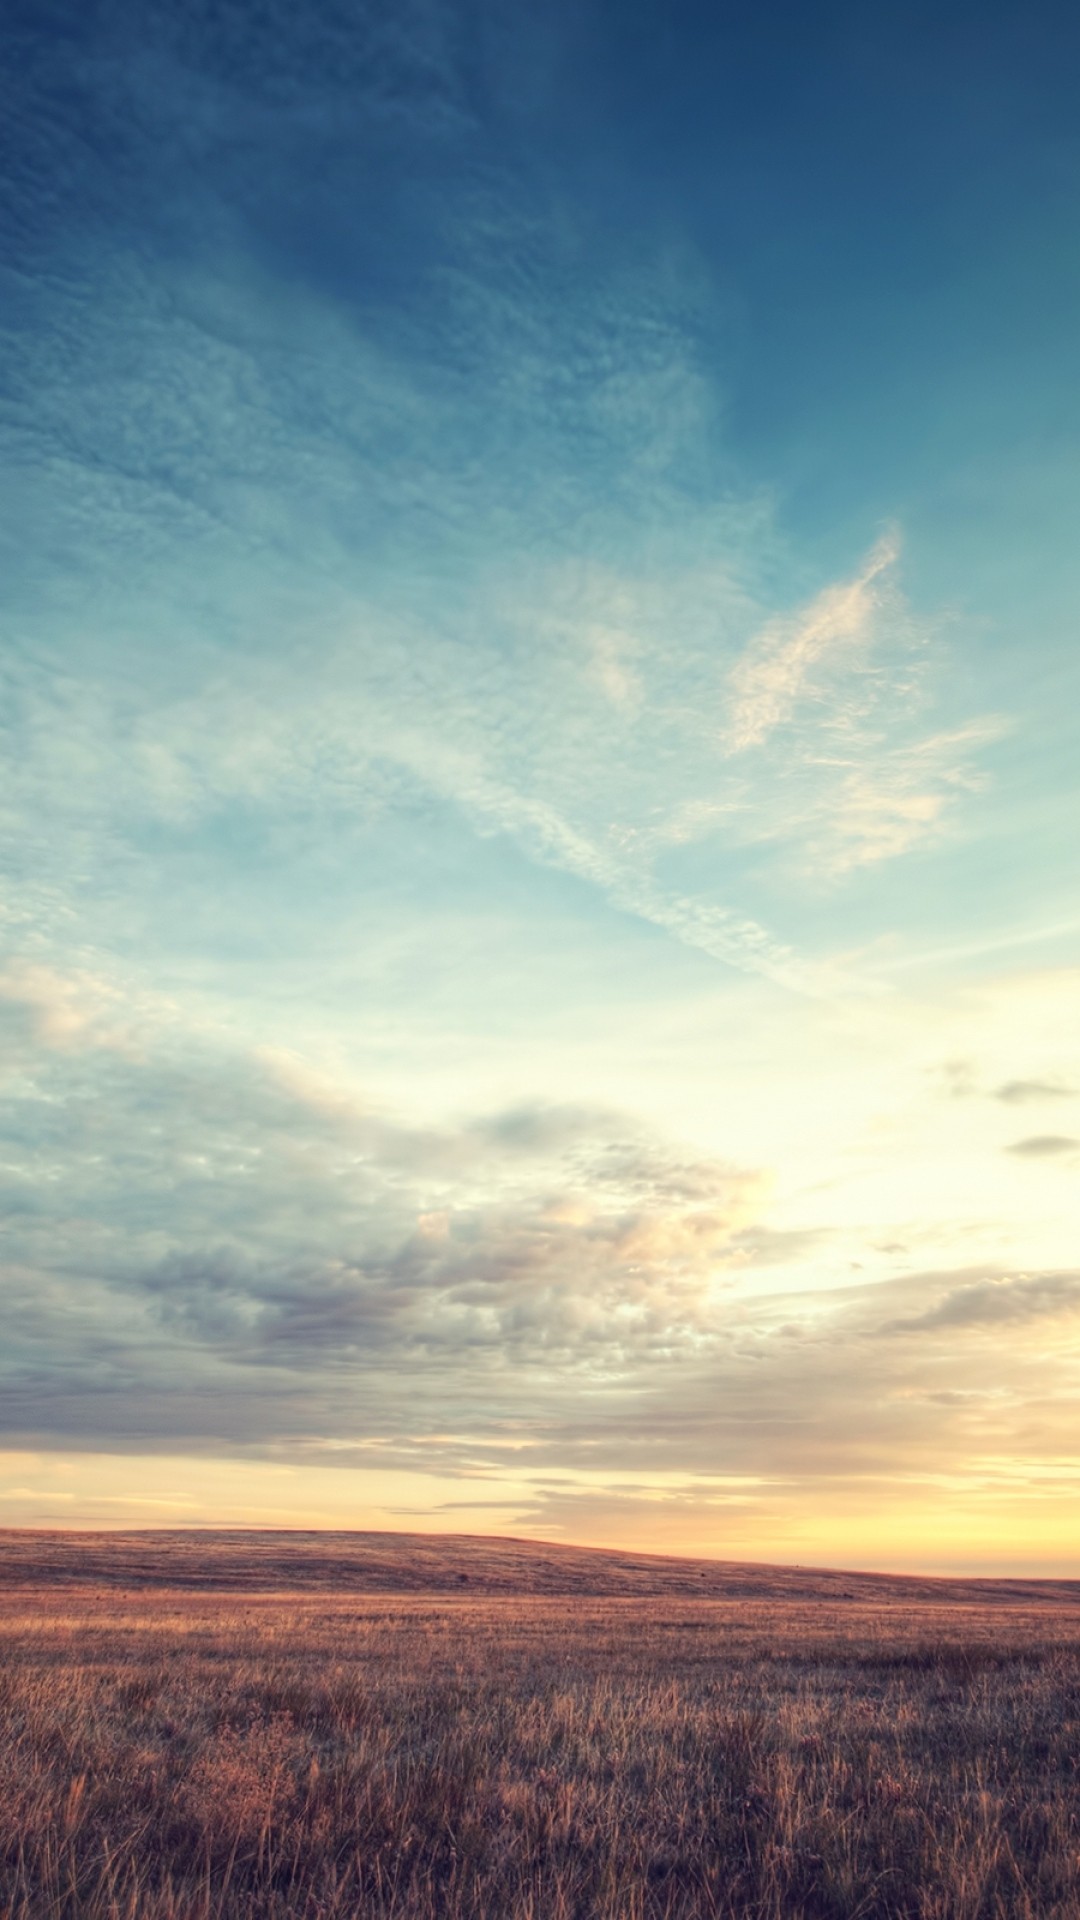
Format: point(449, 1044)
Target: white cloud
point(875, 808)
point(776, 671)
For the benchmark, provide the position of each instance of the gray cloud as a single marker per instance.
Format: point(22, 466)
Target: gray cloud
point(1040, 1146)
point(1016, 1093)
point(761, 1246)
point(212, 1249)
point(997, 1299)
point(216, 1242)
point(216, 1248)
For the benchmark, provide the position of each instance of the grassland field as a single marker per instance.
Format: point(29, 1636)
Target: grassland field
point(203, 1727)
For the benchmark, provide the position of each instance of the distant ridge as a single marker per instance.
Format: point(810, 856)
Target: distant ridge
point(226, 1561)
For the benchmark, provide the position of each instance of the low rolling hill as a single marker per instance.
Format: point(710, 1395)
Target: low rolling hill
point(299, 1562)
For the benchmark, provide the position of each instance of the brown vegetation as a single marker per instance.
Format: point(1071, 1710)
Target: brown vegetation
point(182, 1754)
point(227, 1561)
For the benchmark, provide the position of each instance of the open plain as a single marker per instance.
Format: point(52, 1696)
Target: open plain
point(399, 1726)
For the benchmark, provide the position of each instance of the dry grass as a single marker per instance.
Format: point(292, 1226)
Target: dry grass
point(188, 1754)
point(255, 1561)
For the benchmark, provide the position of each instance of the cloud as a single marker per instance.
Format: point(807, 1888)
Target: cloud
point(1017, 1093)
point(762, 1246)
point(873, 812)
point(996, 1301)
point(853, 779)
point(214, 1249)
point(192, 1221)
point(474, 503)
point(611, 656)
point(1039, 1146)
point(65, 1011)
point(776, 671)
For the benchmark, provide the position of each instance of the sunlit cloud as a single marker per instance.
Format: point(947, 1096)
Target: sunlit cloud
point(988, 1302)
point(777, 670)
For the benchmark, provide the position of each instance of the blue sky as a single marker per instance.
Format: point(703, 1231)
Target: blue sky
point(540, 921)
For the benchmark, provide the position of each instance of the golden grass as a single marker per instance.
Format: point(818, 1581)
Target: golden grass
point(188, 1755)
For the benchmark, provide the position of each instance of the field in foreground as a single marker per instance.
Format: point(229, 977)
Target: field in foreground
point(183, 1755)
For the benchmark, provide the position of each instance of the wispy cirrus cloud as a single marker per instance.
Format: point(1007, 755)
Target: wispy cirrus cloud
point(829, 700)
point(888, 798)
point(508, 548)
point(777, 670)
point(531, 746)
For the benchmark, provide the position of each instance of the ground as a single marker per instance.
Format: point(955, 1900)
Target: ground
point(331, 1726)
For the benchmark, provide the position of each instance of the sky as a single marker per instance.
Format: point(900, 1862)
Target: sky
point(540, 987)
